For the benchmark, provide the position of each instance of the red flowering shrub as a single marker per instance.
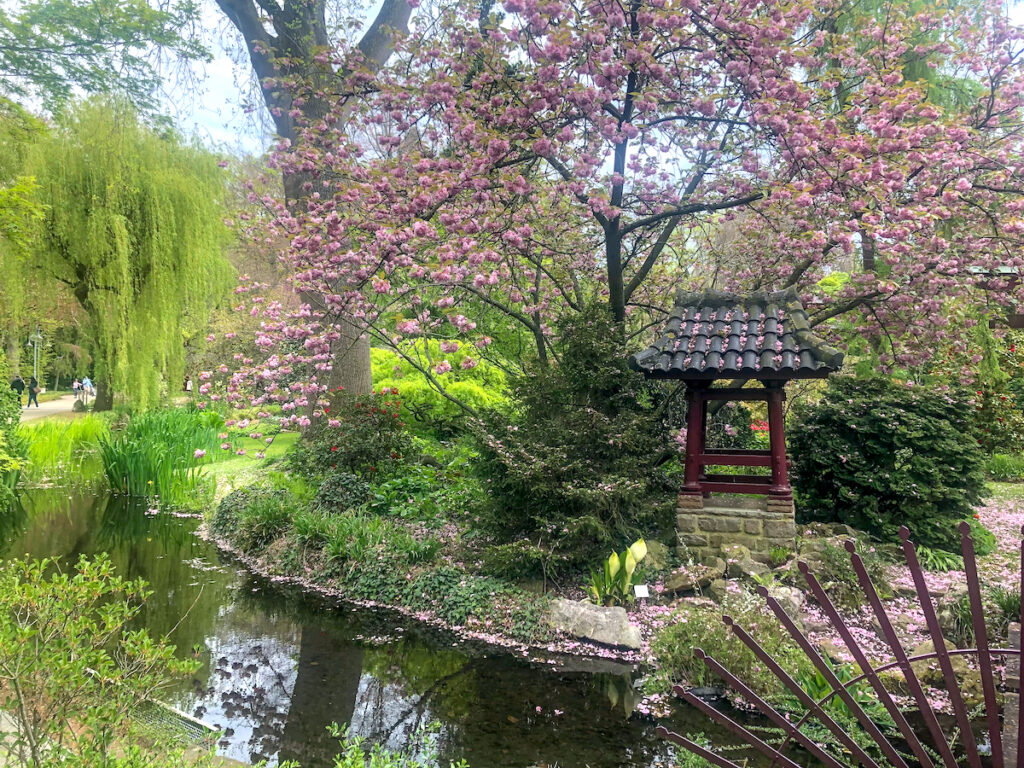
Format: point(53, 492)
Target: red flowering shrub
point(999, 422)
point(361, 434)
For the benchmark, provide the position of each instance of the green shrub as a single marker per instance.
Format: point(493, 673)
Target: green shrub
point(699, 625)
point(1005, 467)
point(831, 564)
point(12, 449)
point(471, 380)
point(342, 490)
point(514, 560)
point(361, 434)
point(876, 455)
point(422, 492)
point(984, 539)
point(457, 598)
point(253, 517)
point(74, 674)
point(576, 471)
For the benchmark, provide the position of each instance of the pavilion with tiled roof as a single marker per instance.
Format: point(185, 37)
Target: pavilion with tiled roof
point(760, 336)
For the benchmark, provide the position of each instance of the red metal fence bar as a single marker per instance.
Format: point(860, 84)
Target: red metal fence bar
point(871, 674)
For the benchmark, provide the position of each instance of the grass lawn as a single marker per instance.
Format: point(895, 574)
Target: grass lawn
point(234, 471)
point(1003, 491)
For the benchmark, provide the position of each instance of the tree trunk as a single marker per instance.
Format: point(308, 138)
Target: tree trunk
point(350, 356)
point(104, 397)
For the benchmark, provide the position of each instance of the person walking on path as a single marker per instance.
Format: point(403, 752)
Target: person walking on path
point(33, 392)
point(17, 384)
point(86, 389)
point(76, 388)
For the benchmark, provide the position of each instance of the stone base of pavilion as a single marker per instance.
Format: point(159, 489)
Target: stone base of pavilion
point(705, 524)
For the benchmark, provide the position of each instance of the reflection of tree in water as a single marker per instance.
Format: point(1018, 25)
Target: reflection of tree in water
point(13, 519)
point(248, 691)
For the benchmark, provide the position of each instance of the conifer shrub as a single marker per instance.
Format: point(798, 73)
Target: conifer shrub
point(876, 454)
point(577, 470)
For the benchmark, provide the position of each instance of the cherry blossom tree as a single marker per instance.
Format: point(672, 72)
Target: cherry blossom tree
point(509, 167)
point(301, 65)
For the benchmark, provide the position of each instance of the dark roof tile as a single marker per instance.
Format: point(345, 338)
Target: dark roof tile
point(722, 335)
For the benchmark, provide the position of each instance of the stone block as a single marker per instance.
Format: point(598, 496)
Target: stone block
point(780, 529)
point(753, 527)
point(686, 501)
point(720, 524)
point(686, 522)
point(693, 539)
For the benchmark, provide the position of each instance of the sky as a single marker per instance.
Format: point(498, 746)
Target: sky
point(208, 104)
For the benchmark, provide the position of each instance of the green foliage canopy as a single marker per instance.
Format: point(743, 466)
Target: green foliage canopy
point(134, 228)
point(48, 48)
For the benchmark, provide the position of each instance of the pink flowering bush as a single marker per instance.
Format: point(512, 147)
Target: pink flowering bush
point(876, 454)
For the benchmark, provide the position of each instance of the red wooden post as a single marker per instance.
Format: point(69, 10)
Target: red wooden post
point(696, 408)
point(777, 440)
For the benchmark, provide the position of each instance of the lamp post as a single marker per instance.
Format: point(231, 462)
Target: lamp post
point(35, 340)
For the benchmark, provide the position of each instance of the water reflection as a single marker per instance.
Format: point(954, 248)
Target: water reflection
point(278, 668)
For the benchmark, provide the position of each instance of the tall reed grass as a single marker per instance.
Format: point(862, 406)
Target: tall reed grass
point(63, 451)
point(158, 454)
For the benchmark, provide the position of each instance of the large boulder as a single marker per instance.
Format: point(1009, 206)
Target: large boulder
point(968, 680)
point(693, 577)
point(790, 598)
point(718, 590)
point(609, 626)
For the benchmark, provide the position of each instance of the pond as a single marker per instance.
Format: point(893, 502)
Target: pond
point(279, 667)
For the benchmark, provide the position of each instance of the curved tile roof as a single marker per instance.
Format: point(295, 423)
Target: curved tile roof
point(717, 335)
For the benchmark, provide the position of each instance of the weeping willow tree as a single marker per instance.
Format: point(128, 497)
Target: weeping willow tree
point(20, 217)
point(134, 228)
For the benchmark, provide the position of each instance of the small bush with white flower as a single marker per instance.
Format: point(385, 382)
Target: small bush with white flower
point(877, 454)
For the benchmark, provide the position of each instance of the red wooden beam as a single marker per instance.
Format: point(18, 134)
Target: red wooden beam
point(725, 459)
point(736, 394)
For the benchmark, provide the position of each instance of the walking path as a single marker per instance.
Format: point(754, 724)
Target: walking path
point(49, 408)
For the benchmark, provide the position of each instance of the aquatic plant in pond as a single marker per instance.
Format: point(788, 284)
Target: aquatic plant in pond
point(60, 450)
point(159, 454)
